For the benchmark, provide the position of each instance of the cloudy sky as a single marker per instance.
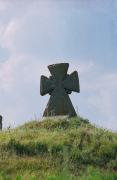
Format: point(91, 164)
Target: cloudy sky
point(36, 33)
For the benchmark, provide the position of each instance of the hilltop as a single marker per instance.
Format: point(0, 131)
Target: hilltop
point(57, 150)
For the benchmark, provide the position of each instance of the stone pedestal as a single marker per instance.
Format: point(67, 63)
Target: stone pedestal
point(54, 117)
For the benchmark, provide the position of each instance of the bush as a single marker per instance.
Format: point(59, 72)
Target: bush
point(56, 149)
point(41, 148)
point(29, 149)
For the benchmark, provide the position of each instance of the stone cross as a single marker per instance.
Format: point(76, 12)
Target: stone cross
point(59, 85)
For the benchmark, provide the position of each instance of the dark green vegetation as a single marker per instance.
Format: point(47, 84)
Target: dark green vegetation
point(58, 150)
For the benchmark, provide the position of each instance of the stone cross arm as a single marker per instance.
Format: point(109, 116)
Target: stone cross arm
point(71, 82)
point(46, 85)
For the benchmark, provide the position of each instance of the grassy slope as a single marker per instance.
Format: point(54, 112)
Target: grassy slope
point(58, 149)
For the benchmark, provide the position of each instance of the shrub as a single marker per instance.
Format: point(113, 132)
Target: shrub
point(41, 148)
point(56, 149)
point(27, 149)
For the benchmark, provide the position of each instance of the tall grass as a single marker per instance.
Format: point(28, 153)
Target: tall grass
point(58, 149)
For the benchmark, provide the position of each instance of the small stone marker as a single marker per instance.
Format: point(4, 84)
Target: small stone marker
point(0, 122)
point(59, 85)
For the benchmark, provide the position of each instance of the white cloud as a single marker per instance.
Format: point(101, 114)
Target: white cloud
point(3, 5)
point(8, 33)
point(101, 98)
point(19, 90)
point(20, 69)
point(32, 24)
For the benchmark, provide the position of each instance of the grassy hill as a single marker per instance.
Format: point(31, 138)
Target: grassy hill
point(58, 150)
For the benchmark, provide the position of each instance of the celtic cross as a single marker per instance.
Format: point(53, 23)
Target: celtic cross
point(58, 86)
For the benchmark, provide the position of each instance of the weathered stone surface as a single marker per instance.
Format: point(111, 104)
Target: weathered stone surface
point(59, 85)
point(0, 122)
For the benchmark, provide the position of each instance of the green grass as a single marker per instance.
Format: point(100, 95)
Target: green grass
point(58, 149)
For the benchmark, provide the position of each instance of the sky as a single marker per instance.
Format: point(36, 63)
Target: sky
point(37, 33)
